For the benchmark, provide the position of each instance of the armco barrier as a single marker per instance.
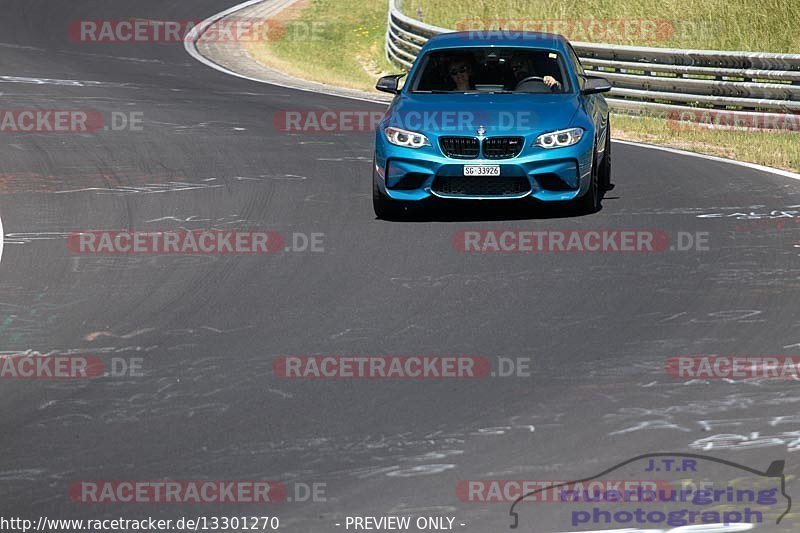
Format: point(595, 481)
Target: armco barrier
point(655, 80)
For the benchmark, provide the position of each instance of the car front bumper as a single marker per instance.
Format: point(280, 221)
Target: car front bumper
point(555, 175)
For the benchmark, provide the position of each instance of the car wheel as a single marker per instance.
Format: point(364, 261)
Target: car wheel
point(385, 208)
point(605, 167)
point(590, 202)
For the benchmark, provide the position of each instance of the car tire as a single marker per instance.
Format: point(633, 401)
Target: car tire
point(590, 202)
point(605, 166)
point(385, 208)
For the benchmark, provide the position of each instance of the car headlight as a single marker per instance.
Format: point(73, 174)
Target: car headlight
point(409, 139)
point(559, 139)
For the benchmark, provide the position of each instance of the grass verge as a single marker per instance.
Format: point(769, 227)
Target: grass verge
point(338, 42)
point(779, 149)
point(750, 25)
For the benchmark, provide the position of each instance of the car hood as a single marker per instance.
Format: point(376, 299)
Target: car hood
point(498, 114)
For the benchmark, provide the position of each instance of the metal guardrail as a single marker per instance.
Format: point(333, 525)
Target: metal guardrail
point(657, 80)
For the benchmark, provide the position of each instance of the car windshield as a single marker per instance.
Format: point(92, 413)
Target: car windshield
point(491, 70)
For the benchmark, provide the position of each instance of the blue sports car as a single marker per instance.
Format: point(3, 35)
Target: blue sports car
point(500, 116)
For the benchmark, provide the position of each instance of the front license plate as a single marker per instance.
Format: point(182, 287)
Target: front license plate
point(481, 170)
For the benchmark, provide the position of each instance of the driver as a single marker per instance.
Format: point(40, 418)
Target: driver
point(521, 70)
point(460, 75)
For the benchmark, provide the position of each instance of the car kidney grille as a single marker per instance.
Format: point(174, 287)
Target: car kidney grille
point(481, 185)
point(493, 147)
point(502, 147)
point(459, 147)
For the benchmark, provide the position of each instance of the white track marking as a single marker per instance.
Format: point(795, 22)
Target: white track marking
point(50, 81)
point(753, 166)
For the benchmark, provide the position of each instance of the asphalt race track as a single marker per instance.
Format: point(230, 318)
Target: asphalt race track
point(596, 327)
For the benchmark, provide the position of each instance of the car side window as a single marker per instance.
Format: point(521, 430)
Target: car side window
point(577, 68)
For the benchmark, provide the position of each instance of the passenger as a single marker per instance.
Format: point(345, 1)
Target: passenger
point(521, 71)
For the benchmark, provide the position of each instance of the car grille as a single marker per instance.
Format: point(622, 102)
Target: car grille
point(409, 182)
point(459, 147)
point(493, 147)
point(502, 147)
point(481, 185)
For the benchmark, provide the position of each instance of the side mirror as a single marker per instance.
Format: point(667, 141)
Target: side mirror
point(388, 84)
point(595, 84)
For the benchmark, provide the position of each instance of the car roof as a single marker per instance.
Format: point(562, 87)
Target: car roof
point(499, 38)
